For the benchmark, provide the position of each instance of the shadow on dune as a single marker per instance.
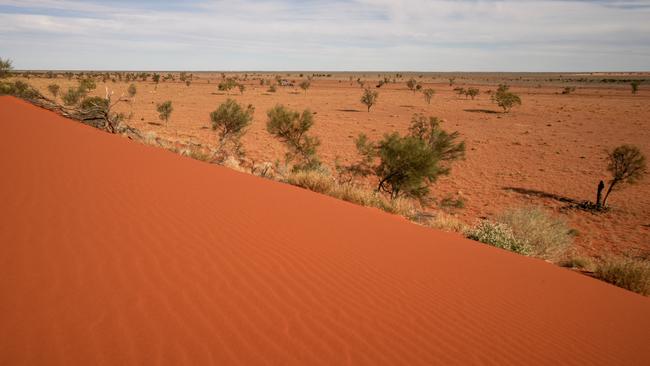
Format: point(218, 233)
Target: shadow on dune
point(489, 111)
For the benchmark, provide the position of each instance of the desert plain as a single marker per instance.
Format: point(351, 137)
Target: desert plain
point(548, 152)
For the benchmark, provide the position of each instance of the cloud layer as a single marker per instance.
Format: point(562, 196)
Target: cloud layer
point(422, 35)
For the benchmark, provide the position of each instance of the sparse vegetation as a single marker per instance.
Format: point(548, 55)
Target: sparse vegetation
point(628, 273)
point(369, 98)
point(291, 128)
point(54, 89)
point(241, 88)
point(635, 86)
point(627, 164)
point(428, 94)
point(164, 110)
point(505, 99)
point(5, 67)
point(498, 235)
point(547, 237)
point(132, 91)
point(472, 92)
point(230, 121)
point(568, 90)
point(304, 85)
point(412, 84)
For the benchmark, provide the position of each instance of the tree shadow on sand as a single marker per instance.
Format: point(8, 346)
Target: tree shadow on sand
point(541, 194)
point(488, 111)
point(348, 110)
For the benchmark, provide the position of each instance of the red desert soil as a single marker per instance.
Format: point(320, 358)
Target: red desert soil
point(117, 253)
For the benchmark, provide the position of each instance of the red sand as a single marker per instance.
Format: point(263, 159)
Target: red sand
point(116, 253)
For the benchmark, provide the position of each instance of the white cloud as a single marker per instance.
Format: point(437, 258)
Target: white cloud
point(337, 35)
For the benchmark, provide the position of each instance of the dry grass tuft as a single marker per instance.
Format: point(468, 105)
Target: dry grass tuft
point(629, 273)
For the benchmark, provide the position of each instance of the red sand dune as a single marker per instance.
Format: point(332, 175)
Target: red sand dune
point(116, 253)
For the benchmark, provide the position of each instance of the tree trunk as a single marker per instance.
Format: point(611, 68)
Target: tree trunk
point(609, 190)
point(599, 194)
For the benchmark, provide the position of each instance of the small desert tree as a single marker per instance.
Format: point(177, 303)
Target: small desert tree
point(5, 67)
point(165, 110)
point(409, 164)
point(304, 85)
point(472, 92)
point(242, 88)
point(54, 89)
point(412, 84)
point(156, 79)
point(627, 164)
point(635, 86)
point(428, 94)
point(230, 121)
point(505, 99)
point(369, 98)
point(291, 128)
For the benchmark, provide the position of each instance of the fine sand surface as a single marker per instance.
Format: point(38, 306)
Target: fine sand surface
point(117, 253)
point(548, 151)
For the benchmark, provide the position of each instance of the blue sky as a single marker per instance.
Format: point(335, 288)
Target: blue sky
point(346, 35)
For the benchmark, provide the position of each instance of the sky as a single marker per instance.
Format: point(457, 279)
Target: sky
point(337, 35)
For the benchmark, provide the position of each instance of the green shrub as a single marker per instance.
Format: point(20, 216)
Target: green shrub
point(369, 98)
point(18, 89)
point(132, 91)
point(498, 235)
point(291, 128)
point(505, 99)
point(546, 236)
point(230, 120)
point(628, 273)
point(165, 110)
point(635, 86)
point(72, 96)
point(227, 84)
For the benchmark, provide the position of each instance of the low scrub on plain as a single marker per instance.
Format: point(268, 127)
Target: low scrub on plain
point(546, 236)
point(628, 273)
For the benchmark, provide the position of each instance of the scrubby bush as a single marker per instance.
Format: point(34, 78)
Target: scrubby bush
point(304, 85)
point(230, 121)
point(165, 110)
point(241, 88)
point(5, 67)
point(635, 86)
point(547, 237)
point(86, 85)
point(498, 235)
point(412, 84)
point(291, 128)
point(132, 91)
point(568, 89)
point(272, 89)
point(627, 164)
point(54, 89)
point(628, 273)
point(428, 94)
point(18, 89)
point(72, 96)
point(505, 99)
point(472, 92)
point(227, 84)
point(369, 98)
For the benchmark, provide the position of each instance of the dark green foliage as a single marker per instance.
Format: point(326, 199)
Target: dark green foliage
point(635, 86)
point(230, 120)
point(155, 78)
point(627, 164)
point(369, 98)
point(505, 99)
point(291, 128)
point(164, 110)
point(409, 164)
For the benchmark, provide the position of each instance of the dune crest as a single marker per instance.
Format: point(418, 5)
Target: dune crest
point(116, 253)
